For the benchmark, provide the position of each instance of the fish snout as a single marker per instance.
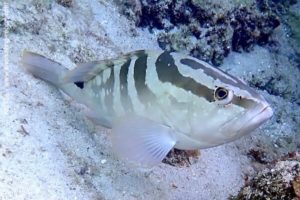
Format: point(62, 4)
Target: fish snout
point(259, 116)
point(266, 113)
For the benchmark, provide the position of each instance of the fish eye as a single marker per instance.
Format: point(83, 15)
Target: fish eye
point(221, 93)
point(223, 96)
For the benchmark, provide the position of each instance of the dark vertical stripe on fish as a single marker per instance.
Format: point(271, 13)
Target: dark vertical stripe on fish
point(167, 71)
point(109, 91)
point(97, 86)
point(145, 95)
point(125, 99)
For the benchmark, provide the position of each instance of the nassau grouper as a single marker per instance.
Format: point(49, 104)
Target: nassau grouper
point(156, 100)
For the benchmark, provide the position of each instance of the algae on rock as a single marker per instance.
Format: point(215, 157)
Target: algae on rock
point(293, 20)
point(208, 30)
point(277, 181)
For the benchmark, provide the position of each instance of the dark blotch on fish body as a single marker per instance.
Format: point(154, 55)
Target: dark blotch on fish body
point(79, 84)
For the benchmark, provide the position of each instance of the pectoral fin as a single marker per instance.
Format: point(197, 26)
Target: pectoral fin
point(141, 141)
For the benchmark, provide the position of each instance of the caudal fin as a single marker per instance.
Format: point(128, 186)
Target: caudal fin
point(43, 68)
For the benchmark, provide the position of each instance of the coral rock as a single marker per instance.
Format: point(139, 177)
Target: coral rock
point(207, 30)
point(296, 186)
point(279, 180)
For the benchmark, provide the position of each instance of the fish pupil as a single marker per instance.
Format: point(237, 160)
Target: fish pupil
point(221, 93)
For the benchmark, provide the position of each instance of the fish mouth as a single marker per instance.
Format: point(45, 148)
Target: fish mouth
point(265, 114)
point(258, 119)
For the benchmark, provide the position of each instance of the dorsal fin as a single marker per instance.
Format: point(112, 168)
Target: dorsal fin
point(87, 71)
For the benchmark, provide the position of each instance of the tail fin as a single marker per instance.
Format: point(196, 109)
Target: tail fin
point(44, 68)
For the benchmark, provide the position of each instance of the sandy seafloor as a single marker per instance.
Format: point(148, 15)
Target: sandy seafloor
point(62, 156)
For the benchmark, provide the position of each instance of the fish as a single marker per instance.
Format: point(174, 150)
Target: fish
point(157, 100)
